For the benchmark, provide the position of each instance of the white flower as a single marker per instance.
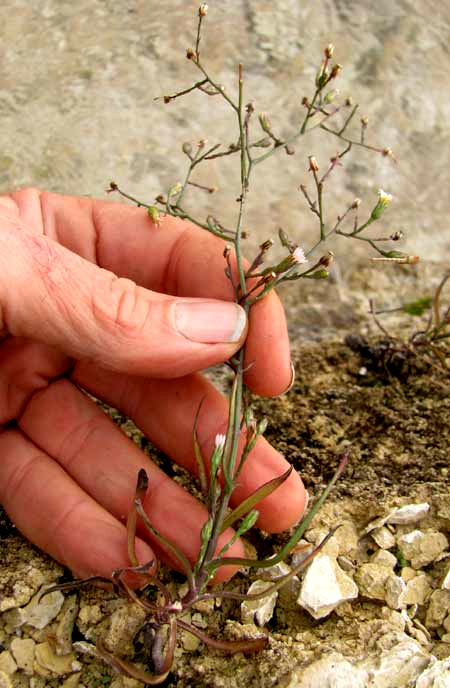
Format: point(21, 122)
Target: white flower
point(299, 255)
point(383, 197)
point(220, 441)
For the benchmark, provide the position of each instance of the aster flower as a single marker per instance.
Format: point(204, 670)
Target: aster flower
point(384, 199)
point(299, 255)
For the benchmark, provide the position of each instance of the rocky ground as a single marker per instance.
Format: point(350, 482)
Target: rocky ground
point(77, 88)
point(373, 609)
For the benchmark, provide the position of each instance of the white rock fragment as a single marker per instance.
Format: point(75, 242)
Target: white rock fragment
point(325, 586)
point(275, 571)
point(398, 666)
point(38, 612)
point(23, 652)
point(418, 590)
point(331, 671)
point(446, 582)
point(395, 588)
point(436, 675)
point(259, 611)
point(383, 537)
point(46, 660)
point(384, 558)
point(438, 608)
point(409, 513)
point(7, 663)
point(5, 680)
point(421, 548)
point(372, 579)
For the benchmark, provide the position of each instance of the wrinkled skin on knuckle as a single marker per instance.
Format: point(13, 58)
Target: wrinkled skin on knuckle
point(118, 305)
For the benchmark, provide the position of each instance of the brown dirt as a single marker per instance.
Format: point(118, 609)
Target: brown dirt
point(397, 431)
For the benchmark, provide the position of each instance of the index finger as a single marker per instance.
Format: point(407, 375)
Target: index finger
point(173, 257)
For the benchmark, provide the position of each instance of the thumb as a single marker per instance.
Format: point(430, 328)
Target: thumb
point(55, 296)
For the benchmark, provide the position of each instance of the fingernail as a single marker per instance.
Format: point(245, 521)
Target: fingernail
point(291, 383)
point(210, 322)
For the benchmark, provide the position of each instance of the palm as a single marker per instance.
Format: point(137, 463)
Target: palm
point(67, 474)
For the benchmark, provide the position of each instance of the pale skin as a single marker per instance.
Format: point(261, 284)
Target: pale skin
point(91, 298)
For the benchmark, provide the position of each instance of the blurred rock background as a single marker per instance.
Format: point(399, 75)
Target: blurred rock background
point(78, 81)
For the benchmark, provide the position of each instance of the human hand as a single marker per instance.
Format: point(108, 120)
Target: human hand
point(92, 294)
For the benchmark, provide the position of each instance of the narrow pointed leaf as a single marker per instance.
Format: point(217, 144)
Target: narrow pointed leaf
point(199, 456)
point(166, 544)
point(141, 489)
point(246, 523)
point(298, 533)
point(256, 496)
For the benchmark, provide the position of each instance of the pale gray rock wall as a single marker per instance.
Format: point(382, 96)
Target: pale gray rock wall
point(78, 80)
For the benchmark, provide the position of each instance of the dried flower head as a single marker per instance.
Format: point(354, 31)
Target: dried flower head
point(313, 166)
point(203, 10)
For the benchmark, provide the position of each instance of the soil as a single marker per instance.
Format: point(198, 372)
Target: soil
point(394, 422)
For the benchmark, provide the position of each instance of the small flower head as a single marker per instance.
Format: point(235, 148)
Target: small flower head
point(356, 203)
point(384, 197)
point(299, 255)
point(219, 441)
point(203, 10)
point(329, 50)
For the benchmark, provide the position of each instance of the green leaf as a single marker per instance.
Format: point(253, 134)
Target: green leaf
point(256, 496)
point(419, 306)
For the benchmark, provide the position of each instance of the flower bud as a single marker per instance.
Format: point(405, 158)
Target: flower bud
point(203, 10)
point(322, 76)
point(265, 123)
point(336, 69)
point(190, 54)
point(174, 189)
point(396, 236)
point(331, 95)
point(187, 148)
point(153, 213)
point(327, 259)
point(313, 166)
point(320, 274)
point(356, 203)
point(329, 50)
point(364, 121)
